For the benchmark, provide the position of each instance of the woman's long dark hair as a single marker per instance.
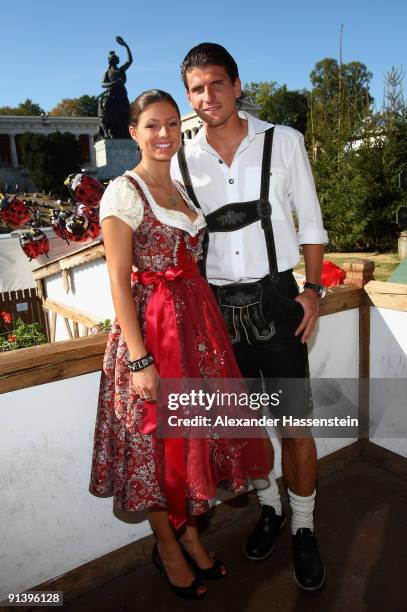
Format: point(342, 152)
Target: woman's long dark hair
point(145, 99)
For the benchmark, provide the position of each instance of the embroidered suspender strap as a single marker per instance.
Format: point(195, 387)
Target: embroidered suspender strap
point(186, 176)
point(264, 206)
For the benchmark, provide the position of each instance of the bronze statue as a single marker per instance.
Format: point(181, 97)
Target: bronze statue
point(114, 107)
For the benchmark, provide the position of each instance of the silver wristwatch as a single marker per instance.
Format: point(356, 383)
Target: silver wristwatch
point(320, 289)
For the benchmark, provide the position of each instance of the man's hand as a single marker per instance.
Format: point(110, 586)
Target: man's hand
point(309, 300)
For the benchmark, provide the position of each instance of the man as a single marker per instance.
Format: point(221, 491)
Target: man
point(227, 165)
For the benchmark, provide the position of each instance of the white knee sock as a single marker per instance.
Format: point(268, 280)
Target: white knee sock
point(267, 492)
point(302, 511)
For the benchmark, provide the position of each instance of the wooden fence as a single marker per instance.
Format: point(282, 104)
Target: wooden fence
point(24, 304)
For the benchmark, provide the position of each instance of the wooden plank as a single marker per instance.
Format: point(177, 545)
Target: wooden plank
point(66, 281)
point(374, 287)
point(53, 325)
point(40, 288)
point(390, 301)
point(47, 270)
point(337, 299)
point(87, 253)
point(39, 365)
point(70, 313)
point(68, 327)
point(364, 368)
point(91, 254)
point(75, 329)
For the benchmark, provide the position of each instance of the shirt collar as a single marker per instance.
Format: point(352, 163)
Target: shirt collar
point(254, 126)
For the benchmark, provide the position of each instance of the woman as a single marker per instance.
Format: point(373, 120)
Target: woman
point(168, 325)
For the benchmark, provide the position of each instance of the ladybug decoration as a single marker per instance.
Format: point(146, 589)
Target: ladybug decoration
point(14, 212)
point(90, 213)
point(58, 223)
point(80, 229)
point(76, 226)
point(34, 243)
point(93, 230)
point(85, 189)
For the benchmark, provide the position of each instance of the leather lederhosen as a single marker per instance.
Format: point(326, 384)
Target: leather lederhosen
point(243, 304)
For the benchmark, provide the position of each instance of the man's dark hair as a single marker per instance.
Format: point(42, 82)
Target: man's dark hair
point(209, 54)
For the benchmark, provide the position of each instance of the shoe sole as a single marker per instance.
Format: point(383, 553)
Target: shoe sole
point(310, 589)
point(272, 548)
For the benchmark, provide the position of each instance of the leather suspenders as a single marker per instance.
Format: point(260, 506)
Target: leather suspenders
point(234, 216)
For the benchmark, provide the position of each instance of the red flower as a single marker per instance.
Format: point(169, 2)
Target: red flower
point(12, 338)
point(6, 317)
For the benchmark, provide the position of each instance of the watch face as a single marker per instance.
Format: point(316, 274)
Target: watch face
point(323, 291)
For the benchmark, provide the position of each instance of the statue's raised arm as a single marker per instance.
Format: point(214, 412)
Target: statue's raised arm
point(129, 62)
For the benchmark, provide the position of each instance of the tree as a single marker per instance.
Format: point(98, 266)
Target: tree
point(394, 126)
point(50, 159)
point(347, 157)
point(340, 103)
point(84, 106)
point(279, 104)
point(28, 107)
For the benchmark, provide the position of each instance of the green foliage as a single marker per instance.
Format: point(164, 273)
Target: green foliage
point(340, 104)
point(24, 108)
point(50, 158)
point(84, 106)
point(103, 327)
point(23, 336)
point(356, 157)
point(278, 104)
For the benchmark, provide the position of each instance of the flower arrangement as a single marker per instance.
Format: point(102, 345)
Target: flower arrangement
point(22, 336)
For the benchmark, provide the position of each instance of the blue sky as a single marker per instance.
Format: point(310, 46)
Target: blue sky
point(55, 50)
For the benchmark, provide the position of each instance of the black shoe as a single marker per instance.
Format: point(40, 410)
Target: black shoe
point(260, 542)
point(309, 571)
point(218, 570)
point(188, 592)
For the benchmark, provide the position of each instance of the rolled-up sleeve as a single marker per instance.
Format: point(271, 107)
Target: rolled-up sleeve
point(304, 198)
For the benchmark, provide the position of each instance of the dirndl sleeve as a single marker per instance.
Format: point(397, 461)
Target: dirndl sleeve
point(122, 200)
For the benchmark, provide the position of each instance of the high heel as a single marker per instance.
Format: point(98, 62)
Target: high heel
point(218, 570)
point(187, 592)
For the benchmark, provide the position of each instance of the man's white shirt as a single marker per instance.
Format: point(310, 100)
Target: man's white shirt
point(241, 255)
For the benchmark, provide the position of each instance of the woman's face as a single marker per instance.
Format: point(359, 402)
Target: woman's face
point(158, 132)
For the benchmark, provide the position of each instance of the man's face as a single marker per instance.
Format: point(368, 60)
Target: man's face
point(212, 94)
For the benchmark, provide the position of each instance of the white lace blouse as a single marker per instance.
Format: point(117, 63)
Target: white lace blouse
point(122, 200)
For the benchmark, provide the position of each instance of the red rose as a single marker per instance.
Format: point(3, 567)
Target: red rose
point(6, 317)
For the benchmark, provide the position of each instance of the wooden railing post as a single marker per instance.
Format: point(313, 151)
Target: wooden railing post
point(358, 272)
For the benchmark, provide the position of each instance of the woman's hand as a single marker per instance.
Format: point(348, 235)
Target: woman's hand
point(145, 383)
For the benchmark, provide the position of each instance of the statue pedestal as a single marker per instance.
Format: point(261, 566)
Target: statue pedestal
point(114, 156)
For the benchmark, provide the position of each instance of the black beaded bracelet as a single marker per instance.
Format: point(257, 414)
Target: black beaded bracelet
point(140, 364)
